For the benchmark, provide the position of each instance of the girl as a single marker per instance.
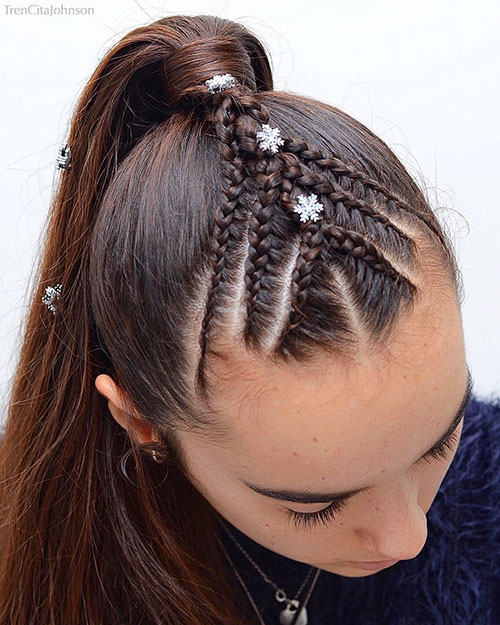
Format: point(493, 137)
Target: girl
point(243, 379)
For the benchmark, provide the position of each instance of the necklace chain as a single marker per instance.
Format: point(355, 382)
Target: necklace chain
point(244, 588)
point(280, 594)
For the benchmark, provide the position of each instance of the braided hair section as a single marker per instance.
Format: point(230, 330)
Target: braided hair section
point(344, 239)
point(373, 191)
point(230, 218)
point(328, 282)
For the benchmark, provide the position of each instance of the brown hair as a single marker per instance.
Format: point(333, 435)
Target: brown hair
point(175, 239)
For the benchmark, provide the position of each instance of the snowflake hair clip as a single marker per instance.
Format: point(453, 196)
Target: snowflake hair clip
point(63, 157)
point(51, 294)
point(269, 138)
point(308, 207)
point(219, 82)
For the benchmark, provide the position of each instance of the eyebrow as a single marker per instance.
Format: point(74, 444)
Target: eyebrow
point(311, 497)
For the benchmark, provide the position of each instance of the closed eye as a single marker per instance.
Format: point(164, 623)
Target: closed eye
point(443, 450)
point(331, 512)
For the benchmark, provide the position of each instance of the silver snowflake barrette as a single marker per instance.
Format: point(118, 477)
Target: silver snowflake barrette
point(51, 294)
point(63, 157)
point(269, 138)
point(308, 207)
point(219, 82)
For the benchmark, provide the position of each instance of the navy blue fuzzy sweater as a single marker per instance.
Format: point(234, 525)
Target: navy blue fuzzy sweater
point(454, 580)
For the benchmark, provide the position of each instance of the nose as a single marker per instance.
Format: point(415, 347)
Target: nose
point(393, 525)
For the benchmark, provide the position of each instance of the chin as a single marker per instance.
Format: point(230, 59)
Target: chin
point(347, 571)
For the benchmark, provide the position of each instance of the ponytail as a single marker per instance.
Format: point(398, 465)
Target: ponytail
point(172, 239)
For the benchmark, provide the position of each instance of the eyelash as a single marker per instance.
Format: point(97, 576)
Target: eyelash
point(308, 519)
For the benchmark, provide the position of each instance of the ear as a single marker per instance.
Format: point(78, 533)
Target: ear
point(141, 432)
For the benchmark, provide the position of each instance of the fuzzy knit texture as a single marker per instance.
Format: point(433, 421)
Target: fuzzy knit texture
point(454, 580)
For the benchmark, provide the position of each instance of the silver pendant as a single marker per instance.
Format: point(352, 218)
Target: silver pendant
point(286, 615)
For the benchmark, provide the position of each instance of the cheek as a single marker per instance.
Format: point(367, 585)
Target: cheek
point(254, 518)
point(429, 483)
point(263, 522)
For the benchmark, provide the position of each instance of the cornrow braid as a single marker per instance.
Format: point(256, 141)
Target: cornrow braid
point(350, 248)
point(311, 250)
point(263, 185)
point(301, 175)
point(226, 218)
point(295, 174)
point(342, 169)
point(260, 198)
point(325, 243)
point(268, 225)
point(264, 256)
point(230, 224)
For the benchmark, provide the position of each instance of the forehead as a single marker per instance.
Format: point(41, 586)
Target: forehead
point(294, 423)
